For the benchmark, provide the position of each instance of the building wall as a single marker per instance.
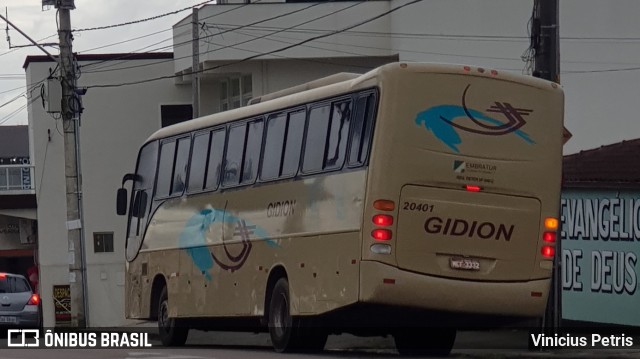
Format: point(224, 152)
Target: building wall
point(600, 266)
point(219, 47)
point(116, 121)
point(274, 75)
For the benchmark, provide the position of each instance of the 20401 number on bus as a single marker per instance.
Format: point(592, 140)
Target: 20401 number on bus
point(420, 207)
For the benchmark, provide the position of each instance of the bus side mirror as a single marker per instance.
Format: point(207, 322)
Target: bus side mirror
point(121, 205)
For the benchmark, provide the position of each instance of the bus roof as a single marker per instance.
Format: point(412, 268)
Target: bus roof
point(350, 84)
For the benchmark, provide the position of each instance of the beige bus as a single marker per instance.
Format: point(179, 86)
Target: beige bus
point(413, 200)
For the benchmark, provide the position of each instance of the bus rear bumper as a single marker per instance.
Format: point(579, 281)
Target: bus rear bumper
point(384, 284)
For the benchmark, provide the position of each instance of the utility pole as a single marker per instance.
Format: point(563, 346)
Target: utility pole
point(546, 26)
point(545, 29)
point(195, 76)
point(71, 160)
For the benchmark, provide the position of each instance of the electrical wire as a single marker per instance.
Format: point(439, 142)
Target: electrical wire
point(135, 52)
point(385, 13)
point(258, 37)
point(17, 111)
point(190, 41)
point(141, 20)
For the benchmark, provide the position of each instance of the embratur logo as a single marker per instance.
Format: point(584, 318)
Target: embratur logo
point(443, 120)
point(459, 166)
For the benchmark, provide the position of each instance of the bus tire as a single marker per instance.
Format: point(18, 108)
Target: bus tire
point(289, 334)
point(171, 331)
point(434, 342)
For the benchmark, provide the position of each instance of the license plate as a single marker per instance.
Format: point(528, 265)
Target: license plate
point(7, 319)
point(464, 264)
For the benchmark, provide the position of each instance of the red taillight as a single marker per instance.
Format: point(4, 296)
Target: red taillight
point(382, 220)
point(34, 300)
point(3, 275)
point(548, 251)
point(384, 205)
point(549, 237)
point(472, 188)
point(381, 234)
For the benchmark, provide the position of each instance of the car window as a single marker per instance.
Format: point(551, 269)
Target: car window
point(14, 285)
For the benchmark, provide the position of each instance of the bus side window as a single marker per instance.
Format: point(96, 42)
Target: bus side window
point(214, 167)
point(180, 167)
point(314, 148)
point(273, 147)
point(234, 153)
point(293, 143)
point(199, 160)
point(362, 127)
point(252, 150)
point(338, 134)
point(165, 169)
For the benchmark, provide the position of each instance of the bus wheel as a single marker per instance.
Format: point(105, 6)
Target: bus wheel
point(283, 334)
point(413, 341)
point(171, 331)
point(290, 334)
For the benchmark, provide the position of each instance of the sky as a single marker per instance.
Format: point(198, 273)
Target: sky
point(29, 16)
point(600, 52)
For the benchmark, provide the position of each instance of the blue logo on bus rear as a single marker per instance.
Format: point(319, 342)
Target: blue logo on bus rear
point(443, 121)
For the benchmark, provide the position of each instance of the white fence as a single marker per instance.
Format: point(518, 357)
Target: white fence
point(16, 178)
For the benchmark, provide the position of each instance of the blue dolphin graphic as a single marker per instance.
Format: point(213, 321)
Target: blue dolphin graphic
point(192, 239)
point(435, 120)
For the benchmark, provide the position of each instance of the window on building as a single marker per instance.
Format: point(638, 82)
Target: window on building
point(103, 242)
point(172, 114)
point(235, 92)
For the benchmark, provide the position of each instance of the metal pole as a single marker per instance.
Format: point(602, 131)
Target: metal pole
point(547, 59)
point(547, 66)
point(72, 175)
point(195, 76)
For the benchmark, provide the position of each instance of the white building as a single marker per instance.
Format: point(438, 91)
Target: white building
point(490, 33)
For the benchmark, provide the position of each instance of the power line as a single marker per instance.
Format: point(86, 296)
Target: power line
point(269, 52)
point(226, 31)
point(603, 70)
point(18, 110)
point(199, 38)
point(176, 27)
point(141, 20)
